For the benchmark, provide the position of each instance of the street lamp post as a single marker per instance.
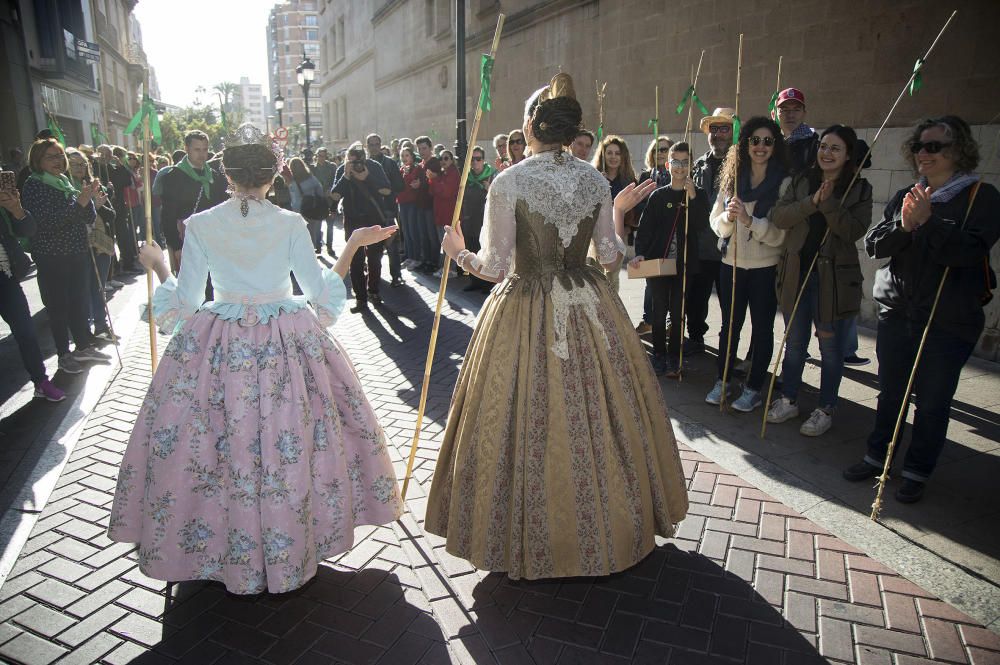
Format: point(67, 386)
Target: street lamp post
point(279, 103)
point(268, 121)
point(304, 74)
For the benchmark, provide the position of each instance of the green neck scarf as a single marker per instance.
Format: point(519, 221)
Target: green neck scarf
point(480, 180)
point(204, 178)
point(60, 182)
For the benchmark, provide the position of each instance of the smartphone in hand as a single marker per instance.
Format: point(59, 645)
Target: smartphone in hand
point(8, 181)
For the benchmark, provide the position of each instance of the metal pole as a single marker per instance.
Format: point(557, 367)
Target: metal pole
point(305, 91)
point(460, 120)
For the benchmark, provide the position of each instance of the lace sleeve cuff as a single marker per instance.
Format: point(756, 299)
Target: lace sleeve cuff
point(610, 249)
point(168, 310)
point(332, 299)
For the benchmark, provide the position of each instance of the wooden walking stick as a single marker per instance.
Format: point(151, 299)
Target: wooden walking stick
point(687, 208)
point(486, 72)
point(734, 243)
point(877, 504)
point(104, 301)
point(146, 115)
point(857, 174)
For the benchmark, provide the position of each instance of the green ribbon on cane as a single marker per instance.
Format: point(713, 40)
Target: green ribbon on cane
point(655, 124)
point(736, 128)
point(691, 94)
point(600, 133)
point(485, 73)
point(146, 109)
point(55, 129)
point(918, 81)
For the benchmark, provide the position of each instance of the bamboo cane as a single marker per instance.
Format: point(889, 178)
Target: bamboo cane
point(890, 451)
point(735, 245)
point(777, 84)
point(687, 208)
point(600, 108)
point(826, 234)
point(104, 301)
point(147, 191)
point(456, 223)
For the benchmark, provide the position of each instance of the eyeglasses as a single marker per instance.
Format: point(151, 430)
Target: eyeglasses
point(931, 147)
point(665, 148)
point(720, 129)
point(515, 142)
point(679, 163)
point(756, 140)
point(832, 149)
point(477, 159)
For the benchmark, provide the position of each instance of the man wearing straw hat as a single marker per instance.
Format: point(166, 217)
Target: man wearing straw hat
point(718, 128)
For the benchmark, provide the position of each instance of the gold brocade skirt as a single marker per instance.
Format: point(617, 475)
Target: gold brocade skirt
point(558, 458)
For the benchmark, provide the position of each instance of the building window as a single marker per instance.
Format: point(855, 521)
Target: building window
point(343, 118)
point(311, 21)
point(340, 38)
point(442, 19)
point(311, 35)
point(312, 50)
point(429, 17)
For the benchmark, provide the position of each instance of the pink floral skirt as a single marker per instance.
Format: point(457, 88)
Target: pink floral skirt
point(254, 457)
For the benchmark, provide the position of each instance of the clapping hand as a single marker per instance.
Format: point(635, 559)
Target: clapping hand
point(916, 207)
point(823, 193)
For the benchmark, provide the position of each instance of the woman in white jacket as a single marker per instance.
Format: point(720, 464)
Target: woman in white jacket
point(753, 177)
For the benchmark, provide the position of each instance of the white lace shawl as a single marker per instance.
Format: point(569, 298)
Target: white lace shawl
point(562, 193)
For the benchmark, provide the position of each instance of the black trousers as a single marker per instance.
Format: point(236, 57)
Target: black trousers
point(698, 294)
point(665, 293)
point(364, 281)
point(64, 283)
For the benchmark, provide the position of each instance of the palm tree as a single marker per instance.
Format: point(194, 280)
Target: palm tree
point(226, 89)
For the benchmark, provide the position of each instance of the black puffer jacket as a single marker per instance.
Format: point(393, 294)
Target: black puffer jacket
point(906, 285)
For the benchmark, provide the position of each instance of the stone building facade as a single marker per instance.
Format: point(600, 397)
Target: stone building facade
point(389, 66)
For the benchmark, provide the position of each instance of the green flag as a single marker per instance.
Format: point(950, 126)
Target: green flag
point(772, 105)
point(917, 82)
point(485, 73)
point(146, 109)
point(54, 128)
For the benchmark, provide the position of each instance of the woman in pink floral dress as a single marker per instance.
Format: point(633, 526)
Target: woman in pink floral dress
point(255, 453)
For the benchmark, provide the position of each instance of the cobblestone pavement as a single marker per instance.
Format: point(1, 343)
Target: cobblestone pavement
point(747, 579)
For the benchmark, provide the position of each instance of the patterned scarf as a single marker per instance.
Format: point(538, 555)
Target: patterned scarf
point(956, 183)
point(59, 182)
point(801, 132)
point(204, 178)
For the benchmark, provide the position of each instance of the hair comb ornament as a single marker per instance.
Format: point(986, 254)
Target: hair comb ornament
point(248, 134)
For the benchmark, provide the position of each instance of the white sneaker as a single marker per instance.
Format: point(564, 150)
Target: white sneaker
point(819, 422)
point(782, 409)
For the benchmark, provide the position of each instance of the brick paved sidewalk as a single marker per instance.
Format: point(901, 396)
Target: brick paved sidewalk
point(745, 580)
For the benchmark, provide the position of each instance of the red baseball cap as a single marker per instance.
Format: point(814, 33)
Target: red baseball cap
point(791, 95)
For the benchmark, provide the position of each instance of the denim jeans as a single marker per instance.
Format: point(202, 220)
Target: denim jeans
point(428, 231)
point(647, 304)
point(97, 314)
point(329, 229)
point(14, 310)
point(366, 266)
point(754, 289)
point(935, 384)
point(408, 227)
point(665, 293)
point(851, 337)
point(392, 250)
point(831, 348)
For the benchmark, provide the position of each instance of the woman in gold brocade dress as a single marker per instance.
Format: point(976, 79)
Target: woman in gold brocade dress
point(558, 459)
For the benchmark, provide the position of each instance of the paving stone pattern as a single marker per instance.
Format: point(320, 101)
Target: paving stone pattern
point(745, 580)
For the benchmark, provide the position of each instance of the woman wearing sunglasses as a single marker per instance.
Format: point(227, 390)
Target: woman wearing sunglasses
point(516, 146)
point(948, 219)
point(820, 223)
point(753, 175)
